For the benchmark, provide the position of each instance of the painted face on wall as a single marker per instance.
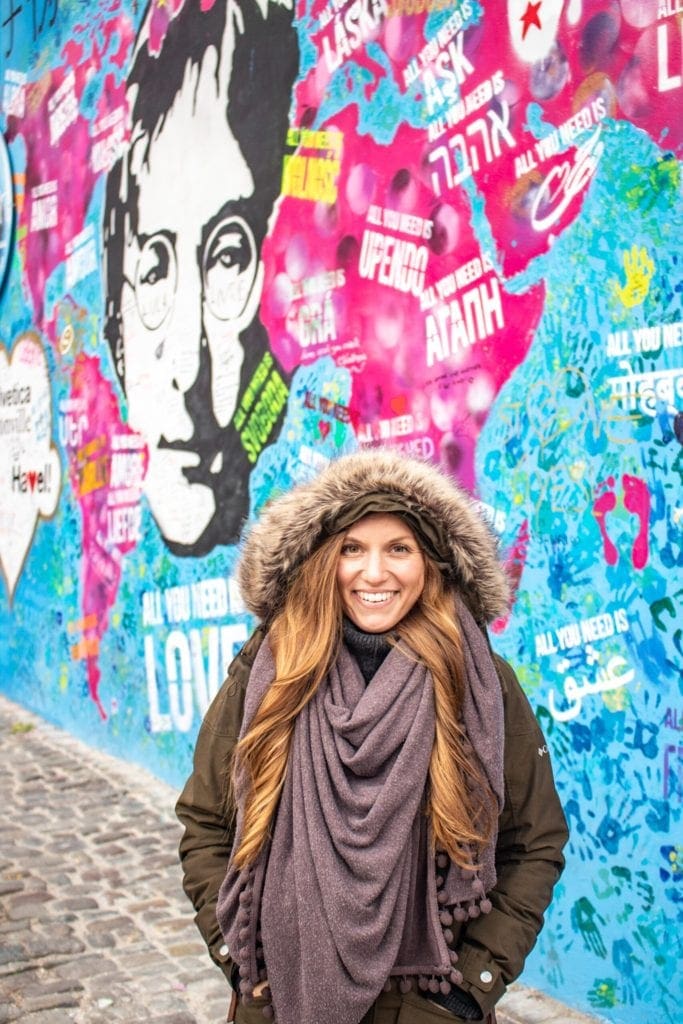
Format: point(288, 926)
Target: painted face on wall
point(191, 281)
point(185, 280)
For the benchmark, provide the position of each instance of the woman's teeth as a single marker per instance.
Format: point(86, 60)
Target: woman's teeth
point(378, 598)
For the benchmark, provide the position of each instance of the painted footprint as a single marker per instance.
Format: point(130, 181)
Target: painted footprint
point(637, 501)
point(606, 502)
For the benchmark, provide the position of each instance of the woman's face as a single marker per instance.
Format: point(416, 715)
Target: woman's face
point(380, 574)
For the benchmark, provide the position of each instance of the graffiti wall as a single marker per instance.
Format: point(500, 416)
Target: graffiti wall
point(239, 238)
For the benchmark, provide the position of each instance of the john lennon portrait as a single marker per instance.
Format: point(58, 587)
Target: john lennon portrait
point(186, 212)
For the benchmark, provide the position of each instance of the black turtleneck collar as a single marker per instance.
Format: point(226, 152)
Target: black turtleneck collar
point(369, 649)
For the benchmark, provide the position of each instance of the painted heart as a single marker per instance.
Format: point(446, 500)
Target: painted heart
point(30, 469)
point(324, 428)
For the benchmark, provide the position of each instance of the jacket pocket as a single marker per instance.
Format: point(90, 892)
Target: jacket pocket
point(416, 1009)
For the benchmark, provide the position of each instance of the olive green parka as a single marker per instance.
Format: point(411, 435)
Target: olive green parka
point(532, 829)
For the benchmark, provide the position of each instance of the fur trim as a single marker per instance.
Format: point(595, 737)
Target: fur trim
point(291, 526)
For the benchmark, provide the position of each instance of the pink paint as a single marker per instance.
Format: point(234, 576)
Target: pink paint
point(614, 73)
point(67, 162)
point(514, 565)
point(162, 15)
point(526, 210)
point(89, 474)
point(389, 323)
point(604, 504)
point(637, 501)
point(636, 498)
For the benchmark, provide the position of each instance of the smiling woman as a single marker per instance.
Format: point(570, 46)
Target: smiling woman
point(380, 573)
point(387, 855)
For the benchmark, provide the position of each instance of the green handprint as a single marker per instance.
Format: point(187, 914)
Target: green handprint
point(645, 891)
point(603, 995)
point(603, 886)
point(584, 919)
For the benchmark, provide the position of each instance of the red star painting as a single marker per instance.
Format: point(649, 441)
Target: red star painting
point(530, 17)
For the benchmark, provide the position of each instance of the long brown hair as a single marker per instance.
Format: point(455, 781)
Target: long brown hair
point(304, 638)
point(460, 803)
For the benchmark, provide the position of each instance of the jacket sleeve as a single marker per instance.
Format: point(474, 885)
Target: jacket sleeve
point(204, 807)
point(529, 860)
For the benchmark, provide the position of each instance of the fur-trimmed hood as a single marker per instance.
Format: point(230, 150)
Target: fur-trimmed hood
point(292, 526)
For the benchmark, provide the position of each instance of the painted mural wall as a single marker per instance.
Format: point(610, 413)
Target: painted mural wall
point(238, 239)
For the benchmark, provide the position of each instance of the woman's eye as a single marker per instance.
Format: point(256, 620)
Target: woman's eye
point(349, 549)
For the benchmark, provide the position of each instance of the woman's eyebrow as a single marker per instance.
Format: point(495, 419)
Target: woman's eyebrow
point(391, 540)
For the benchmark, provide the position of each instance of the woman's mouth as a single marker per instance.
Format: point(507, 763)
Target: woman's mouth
point(375, 597)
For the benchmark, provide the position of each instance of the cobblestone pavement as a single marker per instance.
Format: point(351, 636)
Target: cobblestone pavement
point(94, 926)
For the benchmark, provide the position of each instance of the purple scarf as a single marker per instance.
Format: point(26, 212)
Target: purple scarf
point(346, 894)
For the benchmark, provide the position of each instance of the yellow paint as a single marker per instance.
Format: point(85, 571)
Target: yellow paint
point(617, 700)
point(577, 470)
point(638, 271)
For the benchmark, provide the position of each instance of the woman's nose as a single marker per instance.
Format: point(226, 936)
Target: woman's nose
point(374, 569)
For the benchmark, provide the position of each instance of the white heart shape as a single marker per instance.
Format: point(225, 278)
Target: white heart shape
point(30, 468)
